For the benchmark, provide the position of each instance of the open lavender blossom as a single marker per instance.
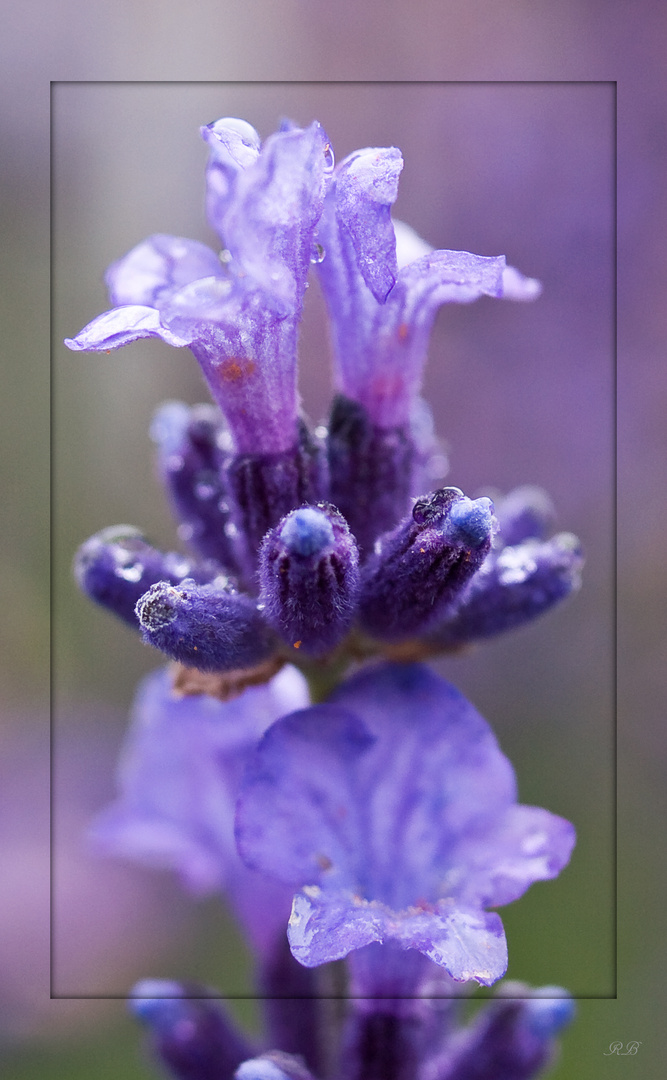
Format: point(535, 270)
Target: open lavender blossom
point(374, 818)
point(239, 314)
point(393, 812)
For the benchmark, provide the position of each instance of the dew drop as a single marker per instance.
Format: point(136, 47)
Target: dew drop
point(317, 254)
point(132, 572)
point(514, 566)
point(329, 160)
point(180, 568)
point(225, 256)
point(224, 440)
point(230, 530)
point(321, 431)
point(204, 491)
point(223, 506)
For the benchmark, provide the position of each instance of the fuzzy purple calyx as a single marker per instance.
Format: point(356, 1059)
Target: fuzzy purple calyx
point(116, 566)
point(308, 571)
point(516, 584)
point(419, 570)
point(208, 627)
point(194, 446)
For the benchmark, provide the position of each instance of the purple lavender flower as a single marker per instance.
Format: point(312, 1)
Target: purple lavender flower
point(116, 566)
point(383, 286)
point(210, 627)
point(381, 313)
point(238, 315)
point(194, 449)
point(418, 570)
point(393, 813)
point(389, 810)
point(512, 1039)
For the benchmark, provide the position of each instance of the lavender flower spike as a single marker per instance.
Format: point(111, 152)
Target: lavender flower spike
point(393, 813)
point(238, 316)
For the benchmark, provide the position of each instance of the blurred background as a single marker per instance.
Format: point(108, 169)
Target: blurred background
point(498, 159)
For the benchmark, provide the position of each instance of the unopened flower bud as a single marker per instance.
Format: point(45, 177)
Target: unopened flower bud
point(189, 1034)
point(420, 569)
point(116, 566)
point(208, 627)
point(309, 578)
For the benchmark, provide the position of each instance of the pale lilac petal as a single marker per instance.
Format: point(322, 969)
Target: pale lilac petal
point(120, 326)
point(468, 943)
point(233, 146)
point(269, 224)
point(395, 811)
point(296, 816)
point(516, 286)
point(158, 266)
point(366, 186)
point(528, 844)
point(325, 928)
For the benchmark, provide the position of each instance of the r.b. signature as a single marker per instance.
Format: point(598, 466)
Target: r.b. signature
point(631, 1049)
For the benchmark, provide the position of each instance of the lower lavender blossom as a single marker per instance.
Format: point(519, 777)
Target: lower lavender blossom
point(393, 813)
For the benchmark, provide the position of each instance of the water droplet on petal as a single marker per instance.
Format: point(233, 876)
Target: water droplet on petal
point(223, 506)
point(132, 572)
point(225, 256)
point(230, 530)
point(224, 440)
point(329, 160)
point(317, 254)
point(204, 491)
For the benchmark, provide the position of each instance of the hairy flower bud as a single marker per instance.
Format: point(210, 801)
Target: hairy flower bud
point(116, 566)
point(420, 569)
point(309, 578)
point(208, 627)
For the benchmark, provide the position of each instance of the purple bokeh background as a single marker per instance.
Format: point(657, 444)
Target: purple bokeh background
point(307, 39)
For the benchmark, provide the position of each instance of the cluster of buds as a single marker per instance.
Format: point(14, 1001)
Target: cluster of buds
point(368, 815)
